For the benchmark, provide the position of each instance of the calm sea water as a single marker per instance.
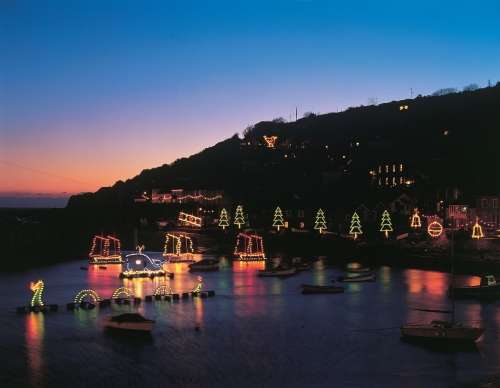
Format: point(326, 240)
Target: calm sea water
point(255, 332)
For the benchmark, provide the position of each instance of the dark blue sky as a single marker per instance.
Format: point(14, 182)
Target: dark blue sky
point(96, 91)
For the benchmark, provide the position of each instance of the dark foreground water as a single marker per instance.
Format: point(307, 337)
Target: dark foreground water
point(255, 332)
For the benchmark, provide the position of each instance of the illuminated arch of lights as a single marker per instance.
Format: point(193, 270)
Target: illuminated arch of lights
point(37, 288)
point(83, 293)
point(163, 290)
point(122, 291)
point(270, 141)
point(435, 229)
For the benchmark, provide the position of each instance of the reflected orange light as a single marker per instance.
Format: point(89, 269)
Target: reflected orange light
point(35, 331)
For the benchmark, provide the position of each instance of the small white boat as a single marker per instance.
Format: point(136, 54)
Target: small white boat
point(357, 278)
point(129, 321)
point(281, 270)
point(205, 264)
point(365, 269)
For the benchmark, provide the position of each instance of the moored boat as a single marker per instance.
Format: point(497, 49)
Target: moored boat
point(129, 321)
point(489, 285)
point(310, 289)
point(364, 269)
point(444, 330)
point(205, 264)
point(357, 278)
point(280, 270)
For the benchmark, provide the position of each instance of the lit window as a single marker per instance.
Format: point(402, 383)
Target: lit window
point(400, 167)
point(380, 181)
point(393, 180)
point(286, 224)
point(400, 180)
point(386, 181)
point(393, 168)
point(379, 168)
point(302, 225)
point(386, 168)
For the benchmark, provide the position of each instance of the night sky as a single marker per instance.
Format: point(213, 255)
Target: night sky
point(92, 92)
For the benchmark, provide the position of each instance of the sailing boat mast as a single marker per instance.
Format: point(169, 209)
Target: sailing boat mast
point(452, 273)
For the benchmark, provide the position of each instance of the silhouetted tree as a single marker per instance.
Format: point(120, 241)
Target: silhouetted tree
point(442, 92)
point(278, 120)
point(470, 88)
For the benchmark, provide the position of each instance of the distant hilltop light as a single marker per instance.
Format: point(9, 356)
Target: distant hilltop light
point(446, 133)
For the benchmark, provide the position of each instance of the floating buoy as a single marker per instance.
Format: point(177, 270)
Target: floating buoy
point(203, 295)
point(70, 306)
point(149, 298)
point(167, 298)
point(53, 307)
point(185, 295)
point(194, 294)
point(175, 296)
point(158, 297)
point(171, 275)
point(91, 306)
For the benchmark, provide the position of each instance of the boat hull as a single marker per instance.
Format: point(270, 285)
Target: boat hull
point(310, 289)
point(144, 326)
point(205, 265)
point(358, 278)
point(281, 272)
point(442, 332)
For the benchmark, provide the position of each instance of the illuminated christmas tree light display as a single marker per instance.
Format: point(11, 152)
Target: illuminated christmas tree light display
point(37, 288)
point(84, 293)
point(435, 229)
point(477, 231)
point(355, 226)
point(320, 221)
point(178, 248)
point(415, 220)
point(127, 292)
point(239, 217)
point(278, 218)
point(386, 225)
point(198, 287)
point(224, 220)
point(271, 141)
point(249, 247)
point(104, 256)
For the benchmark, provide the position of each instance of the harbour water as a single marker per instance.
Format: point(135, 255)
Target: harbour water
point(255, 332)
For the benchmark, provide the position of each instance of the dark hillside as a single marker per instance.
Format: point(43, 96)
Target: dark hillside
point(463, 127)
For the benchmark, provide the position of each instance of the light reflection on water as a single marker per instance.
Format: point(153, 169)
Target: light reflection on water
point(253, 332)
